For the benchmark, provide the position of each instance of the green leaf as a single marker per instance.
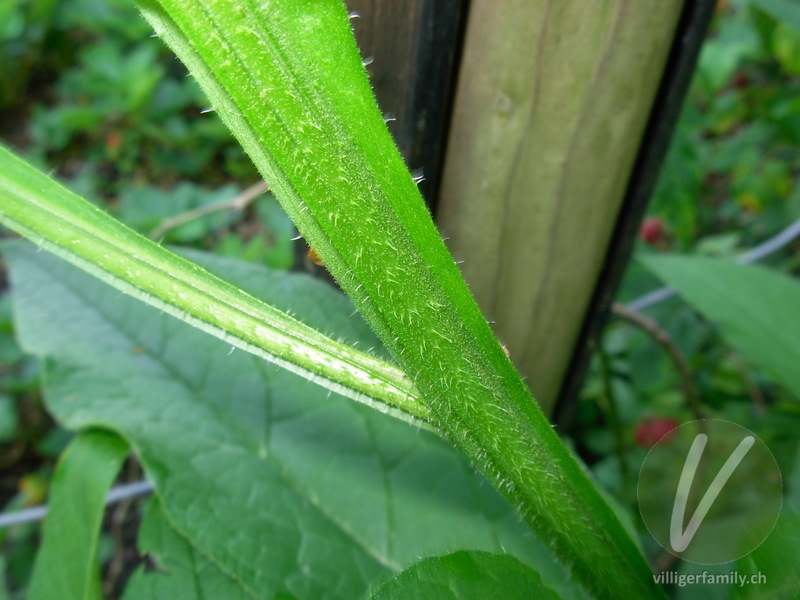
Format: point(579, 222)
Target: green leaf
point(286, 77)
point(182, 573)
point(781, 10)
point(50, 215)
point(4, 595)
point(755, 309)
point(786, 48)
point(9, 420)
point(284, 489)
point(66, 565)
point(466, 576)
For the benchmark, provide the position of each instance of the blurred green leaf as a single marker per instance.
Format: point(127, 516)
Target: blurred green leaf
point(54, 128)
point(3, 585)
point(54, 442)
point(786, 47)
point(12, 22)
point(775, 561)
point(279, 252)
point(9, 350)
point(466, 576)
point(118, 81)
point(40, 11)
point(271, 245)
point(8, 418)
point(66, 564)
point(734, 42)
point(755, 309)
point(786, 11)
point(114, 19)
point(145, 207)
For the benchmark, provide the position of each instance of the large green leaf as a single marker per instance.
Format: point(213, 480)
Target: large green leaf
point(466, 576)
point(285, 489)
point(183, 573)
point(66, 565)
point(757, 310)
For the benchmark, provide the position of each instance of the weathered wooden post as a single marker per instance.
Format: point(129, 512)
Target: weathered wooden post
point(561, 112)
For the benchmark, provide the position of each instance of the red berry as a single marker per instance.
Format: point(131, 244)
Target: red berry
point(740, 80)
point(649, 431)
point(652, 230)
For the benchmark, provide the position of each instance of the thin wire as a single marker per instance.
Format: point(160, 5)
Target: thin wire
point(140, 488)
point(763, 250)
point(37, 513)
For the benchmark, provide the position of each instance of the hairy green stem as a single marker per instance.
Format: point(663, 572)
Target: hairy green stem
point(287, 79)
point(56, 219)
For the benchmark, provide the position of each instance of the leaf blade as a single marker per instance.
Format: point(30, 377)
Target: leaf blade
point(464, 576)
point(755, 308)
point(280, 487)
point(66, 564)
point(183, 573)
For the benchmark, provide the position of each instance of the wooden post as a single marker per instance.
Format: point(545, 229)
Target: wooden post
point(552, 100)
point(412, 47)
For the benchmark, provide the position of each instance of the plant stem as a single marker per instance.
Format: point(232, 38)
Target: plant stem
point(287, 79)
point(239, 202)
point(663, 339)
point(40, 209)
